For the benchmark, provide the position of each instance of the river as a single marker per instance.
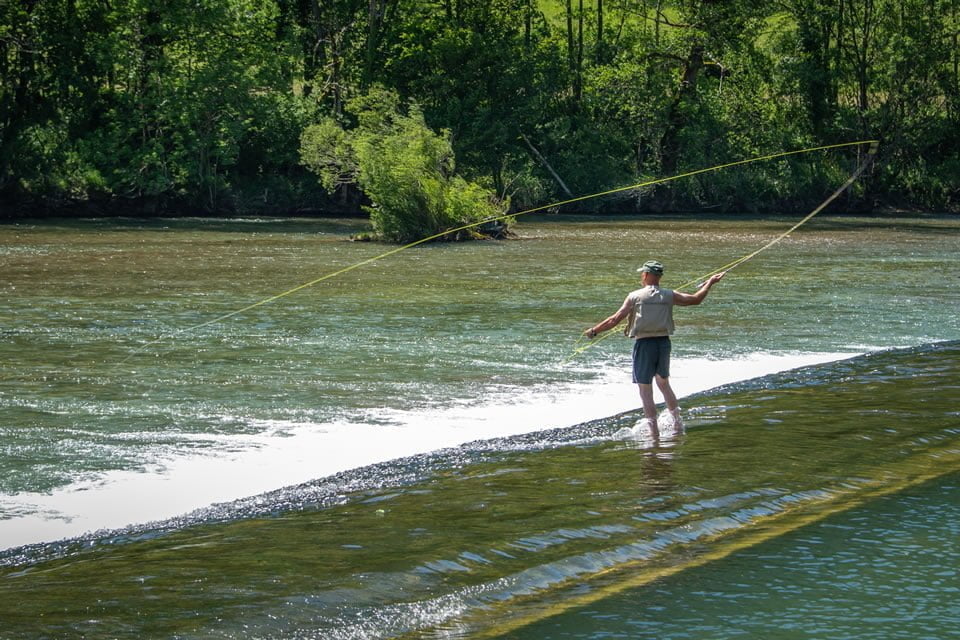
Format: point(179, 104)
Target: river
point(415, 448)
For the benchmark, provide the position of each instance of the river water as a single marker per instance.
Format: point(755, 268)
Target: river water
point(413, 448)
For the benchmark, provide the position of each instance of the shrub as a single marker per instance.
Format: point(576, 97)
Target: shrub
point(406, 170)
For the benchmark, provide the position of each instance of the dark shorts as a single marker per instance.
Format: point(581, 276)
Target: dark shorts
point(651, 356)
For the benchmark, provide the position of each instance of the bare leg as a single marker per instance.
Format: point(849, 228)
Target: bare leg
point(670, 398)
point(649, 407)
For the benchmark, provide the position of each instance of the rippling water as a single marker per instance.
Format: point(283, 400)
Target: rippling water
point(311, 399)
point(887, 569)
point(500, 535)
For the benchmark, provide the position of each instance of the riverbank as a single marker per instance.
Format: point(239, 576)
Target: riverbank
point(320, 205)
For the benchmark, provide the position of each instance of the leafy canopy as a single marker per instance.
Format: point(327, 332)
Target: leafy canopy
point(406, 169)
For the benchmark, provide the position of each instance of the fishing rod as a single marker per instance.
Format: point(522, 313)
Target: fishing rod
point(386, 254)
point(580, 346)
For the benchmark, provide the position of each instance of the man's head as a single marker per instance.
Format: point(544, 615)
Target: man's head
point(651, 271)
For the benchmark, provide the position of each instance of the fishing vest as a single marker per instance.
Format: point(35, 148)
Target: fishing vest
point(651, 313)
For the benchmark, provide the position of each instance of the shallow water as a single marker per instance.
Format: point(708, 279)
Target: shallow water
point(497, 537)
point(112, 417)
point(887, 569)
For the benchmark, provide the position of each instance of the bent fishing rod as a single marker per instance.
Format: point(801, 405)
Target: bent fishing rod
point(580, 346)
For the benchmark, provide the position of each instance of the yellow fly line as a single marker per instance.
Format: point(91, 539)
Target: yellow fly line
point(386, 254)
point(580, 346)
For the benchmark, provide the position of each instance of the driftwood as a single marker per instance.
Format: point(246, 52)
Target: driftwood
point(543, 160)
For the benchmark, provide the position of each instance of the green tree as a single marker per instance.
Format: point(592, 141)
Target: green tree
point(203, 81)
point(199, 105)
point(406, 169)
point(51, 75)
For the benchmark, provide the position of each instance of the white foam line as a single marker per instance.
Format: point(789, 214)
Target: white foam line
point(293, 453)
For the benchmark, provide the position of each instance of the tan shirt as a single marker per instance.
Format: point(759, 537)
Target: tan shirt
point(651, 313)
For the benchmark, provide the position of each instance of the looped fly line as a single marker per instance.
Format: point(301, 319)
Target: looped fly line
point(580, 346)
point(436, 236)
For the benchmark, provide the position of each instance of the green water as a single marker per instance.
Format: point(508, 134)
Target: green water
point(522, 535)
point(884, 570)
point(430, 327)
point(504, 533)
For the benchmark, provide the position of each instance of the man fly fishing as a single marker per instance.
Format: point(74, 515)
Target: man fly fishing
point(649, 314)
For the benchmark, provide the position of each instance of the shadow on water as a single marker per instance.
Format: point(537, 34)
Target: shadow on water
point(495, 536)
point(213, 225)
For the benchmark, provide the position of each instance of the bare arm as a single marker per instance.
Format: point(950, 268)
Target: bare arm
point(610, 322)
point(688, 299)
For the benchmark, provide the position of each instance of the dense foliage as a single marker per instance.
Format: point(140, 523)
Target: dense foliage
point(200, 105)
point(405, 169)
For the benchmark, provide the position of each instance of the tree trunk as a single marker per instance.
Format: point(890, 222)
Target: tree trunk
point(14, 120)
point(656, 25)
point(956, 58)
point(599, 48)
point(315, 52)
point(334, 78)
point(841, 33)
point(860, 45)
point(328, 52)
point(669, 143)
point(813, 26)
point(578, 78)
point(527, 25)
point(376, 9)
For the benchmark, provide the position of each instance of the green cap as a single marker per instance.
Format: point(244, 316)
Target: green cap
point(652, 266)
